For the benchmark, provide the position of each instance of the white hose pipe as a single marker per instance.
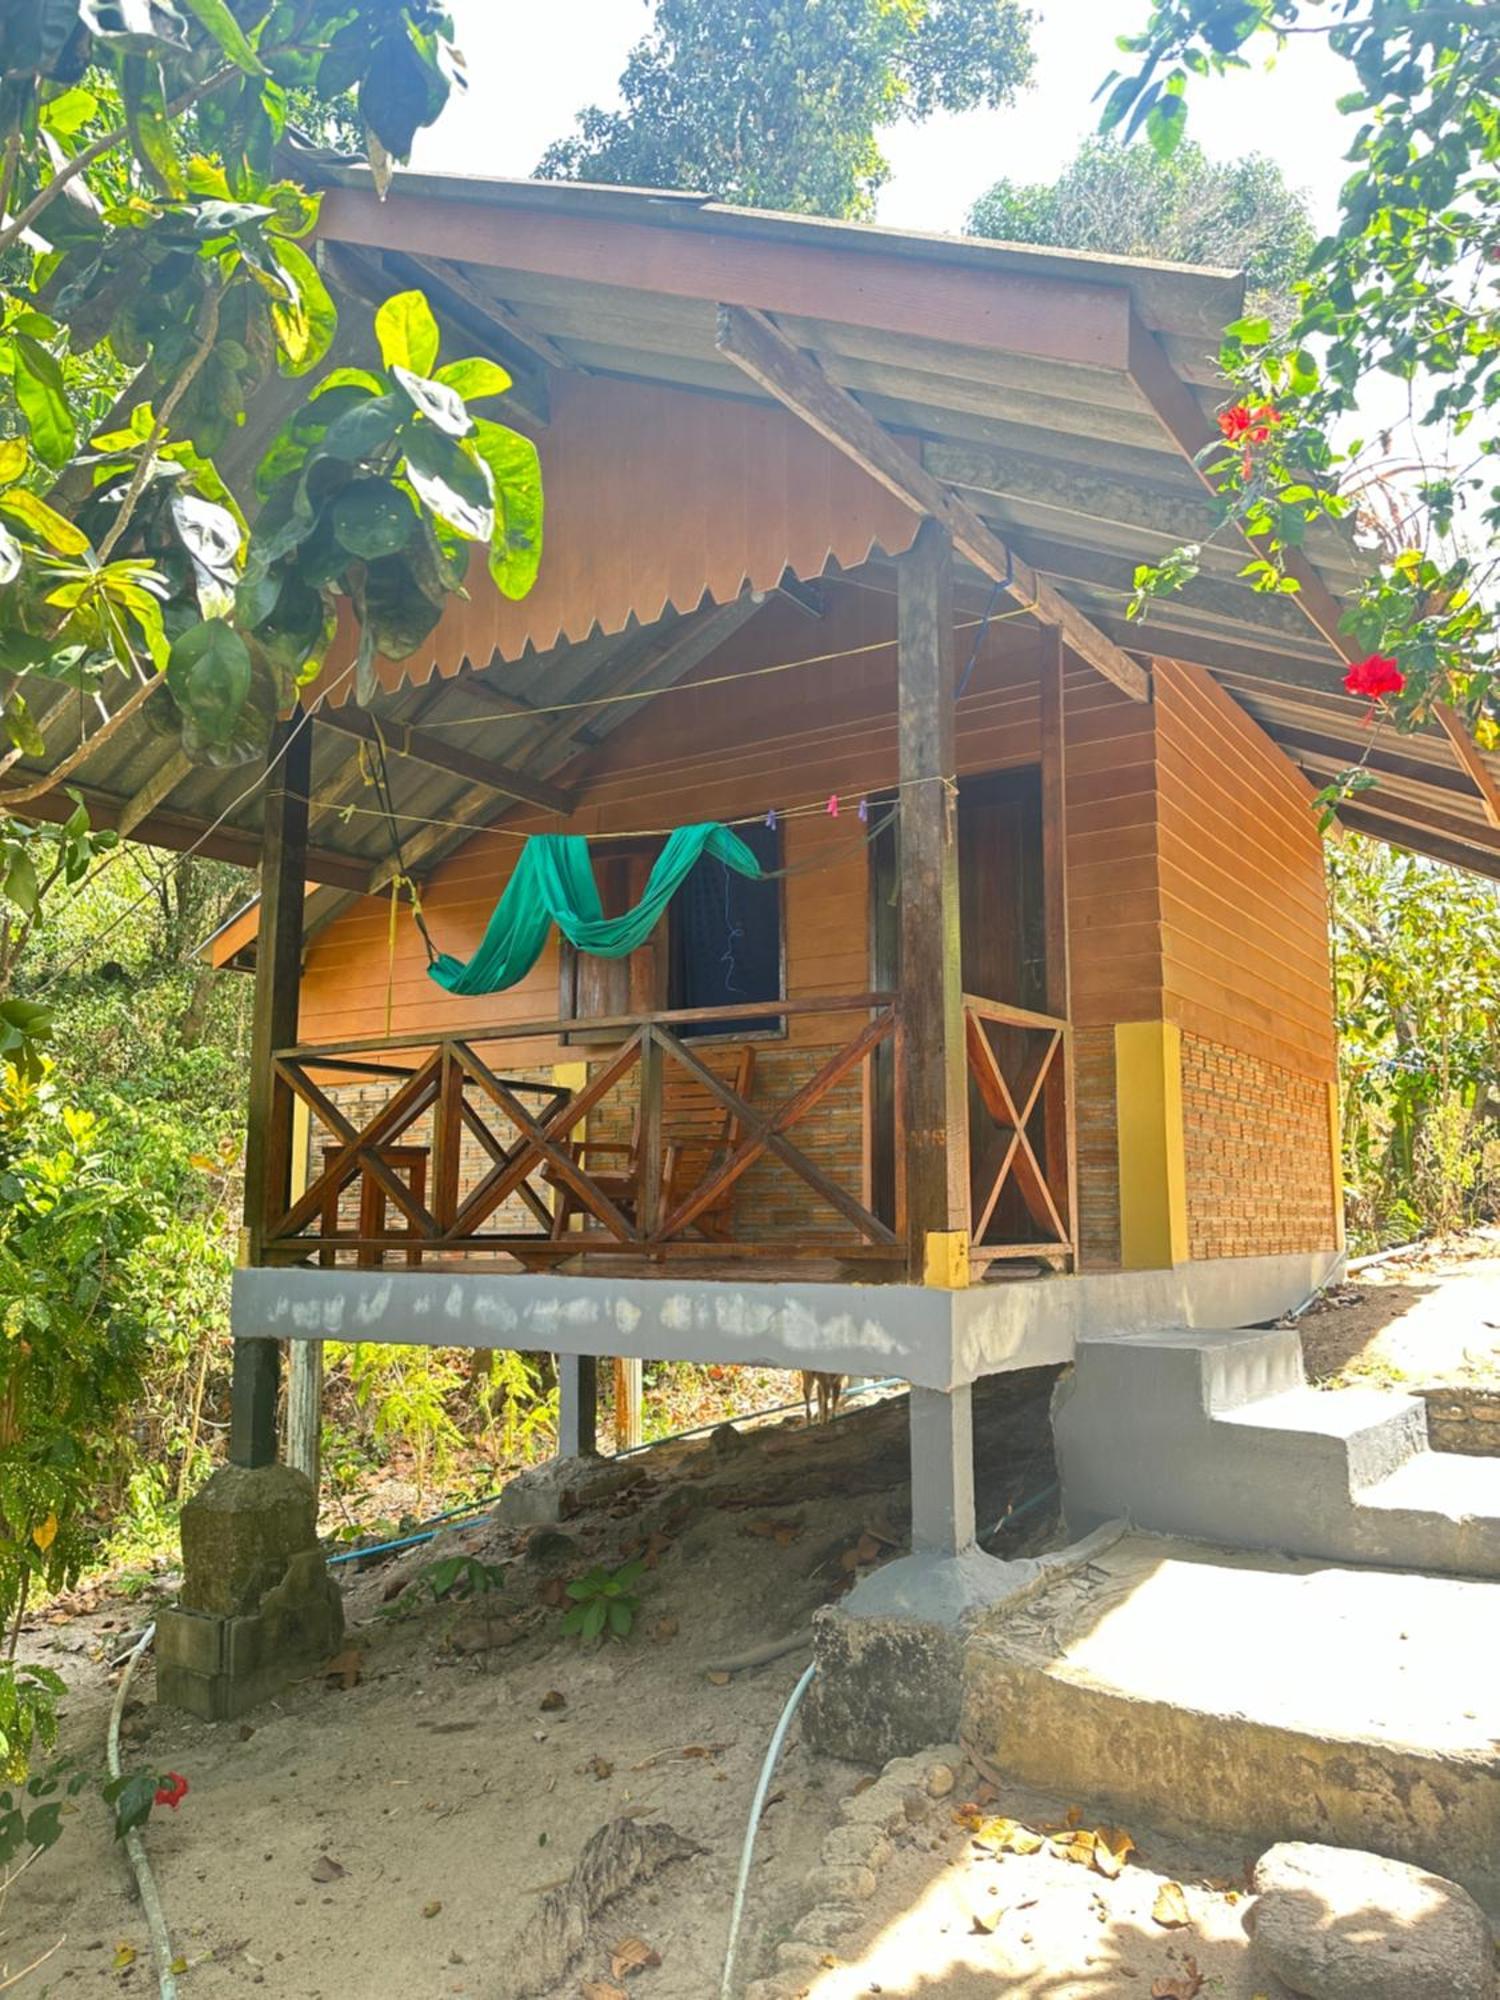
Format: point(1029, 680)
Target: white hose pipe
point(757, 1807)
point(135, 1847)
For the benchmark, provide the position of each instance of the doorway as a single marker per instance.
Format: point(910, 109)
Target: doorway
point(1004, 957)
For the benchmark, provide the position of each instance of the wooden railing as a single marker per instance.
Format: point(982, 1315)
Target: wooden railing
point(1021, 1143)
point(540, 1149)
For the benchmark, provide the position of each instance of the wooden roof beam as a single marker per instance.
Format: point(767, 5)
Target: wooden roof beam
point(1479, 859)
point(760, 350)
point(178, 834)
point(1053, 318)
point(1467, 751)
point(424, 748)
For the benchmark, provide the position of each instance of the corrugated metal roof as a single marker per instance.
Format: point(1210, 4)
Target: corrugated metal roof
point(1070, 461)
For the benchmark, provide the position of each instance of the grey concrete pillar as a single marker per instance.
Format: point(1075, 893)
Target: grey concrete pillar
point(577, 1405)
point(942, 1471)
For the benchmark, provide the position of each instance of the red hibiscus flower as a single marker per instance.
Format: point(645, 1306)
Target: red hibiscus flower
point(1243, 425)
point(1375, 677)
point(172, 1791)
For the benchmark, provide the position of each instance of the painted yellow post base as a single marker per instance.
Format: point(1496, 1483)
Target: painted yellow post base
point(1153, 1160)
point(945, 1260)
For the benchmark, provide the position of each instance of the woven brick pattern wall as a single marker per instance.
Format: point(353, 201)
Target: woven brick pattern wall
point(360, 1102)
point(1098, 1149)
point(1259, 1171)
point(771, 1202)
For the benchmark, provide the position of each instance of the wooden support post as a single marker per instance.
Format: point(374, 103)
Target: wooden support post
point(629, 1389)
point(935, 1108)
point(577, 1405)
point(268, 1140)
point(304, 1389)
point(1059, 1102)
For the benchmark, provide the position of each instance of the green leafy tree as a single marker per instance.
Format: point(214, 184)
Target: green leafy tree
point(1130, 201)
point(778, 103)
point(156, 264)
point(1404, 286)
point(1416, 964)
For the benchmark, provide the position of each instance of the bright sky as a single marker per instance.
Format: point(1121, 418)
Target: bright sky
point(532, 69)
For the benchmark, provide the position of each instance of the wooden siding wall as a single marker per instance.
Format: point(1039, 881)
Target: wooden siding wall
point(1245, 974)
point(1195, 873)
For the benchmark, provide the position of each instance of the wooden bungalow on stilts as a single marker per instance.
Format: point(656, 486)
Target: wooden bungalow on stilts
point(1020, 1031)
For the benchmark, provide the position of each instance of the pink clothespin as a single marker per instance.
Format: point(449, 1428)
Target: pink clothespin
point(833, 805)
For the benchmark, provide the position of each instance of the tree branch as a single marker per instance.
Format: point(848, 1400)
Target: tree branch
point(44, 197)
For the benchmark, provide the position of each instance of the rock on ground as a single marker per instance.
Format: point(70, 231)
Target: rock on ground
point(1332, 1923)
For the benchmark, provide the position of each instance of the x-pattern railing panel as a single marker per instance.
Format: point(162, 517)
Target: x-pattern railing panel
point(1012, 1103)
point(469, 1102)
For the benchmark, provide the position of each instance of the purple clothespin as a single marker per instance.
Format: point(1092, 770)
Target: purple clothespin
point(864, 812)
point(772, 821)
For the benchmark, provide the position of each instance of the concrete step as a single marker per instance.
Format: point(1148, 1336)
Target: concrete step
point(1261, 1695)
point(1169, 1433)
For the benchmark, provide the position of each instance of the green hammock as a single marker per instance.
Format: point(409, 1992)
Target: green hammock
point(554, 884)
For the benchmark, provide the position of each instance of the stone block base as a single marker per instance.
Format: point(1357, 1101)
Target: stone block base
point(217, 1667)
point(258, 1608)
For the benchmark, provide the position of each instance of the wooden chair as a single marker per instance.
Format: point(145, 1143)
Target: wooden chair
point(698, 1134)
point(408, 1160)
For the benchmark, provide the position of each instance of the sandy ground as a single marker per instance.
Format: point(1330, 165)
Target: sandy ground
point(392, 1837)
point(1429, 1316)
point(953, 1919)
point(450, 1786)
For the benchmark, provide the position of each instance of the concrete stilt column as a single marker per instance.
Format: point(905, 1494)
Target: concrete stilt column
point(577, 1405)
point(942, 1471)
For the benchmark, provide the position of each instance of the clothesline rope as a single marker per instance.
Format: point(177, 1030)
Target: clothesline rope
point(813, 808)
point(714, 680)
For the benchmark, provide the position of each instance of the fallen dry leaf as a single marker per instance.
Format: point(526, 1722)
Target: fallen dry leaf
point(631, 1955)
point(601, 1989)
point(1170, 1909)
point(664, 1628)
point(431, 1909)
point(326, 1869)
point(124, 1955)
point(1113, 1847)
point(344, 1669)
point(1187, 1986)
point(1007, 1836)
point(782, 1533)
point(552, 1700)
point(865, 1550)
point(985, 1921)
point(718, 1678)
point(600, 1767)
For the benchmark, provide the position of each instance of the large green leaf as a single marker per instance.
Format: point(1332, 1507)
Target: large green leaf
point(372, 518)
point(45, 522)
point(474, 378)
point(457, 488)
point(149, 126)
point(215, 16)
point(305, 326)
point(366, 429)
point(43, 400)
point(395, 610)
point(12, 459)
point(408, 333)
point(439, 404)
point(516, 541)
point(209, 673)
